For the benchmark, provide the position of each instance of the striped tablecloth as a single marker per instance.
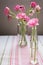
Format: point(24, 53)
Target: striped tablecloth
point(12, 54)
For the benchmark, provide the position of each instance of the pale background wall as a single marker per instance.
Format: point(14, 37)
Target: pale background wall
point(11, 28)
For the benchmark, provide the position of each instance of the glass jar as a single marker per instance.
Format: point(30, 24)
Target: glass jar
point(22, 34)
point(34, 45)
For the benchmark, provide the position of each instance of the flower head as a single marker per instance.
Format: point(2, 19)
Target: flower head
point(19, 8)
point(33, 4)
point(20, 15)
point(23, 16)
point(9, 17)
point(6, 11)
point(26, 18)
point(33, 22)
point(37, 8)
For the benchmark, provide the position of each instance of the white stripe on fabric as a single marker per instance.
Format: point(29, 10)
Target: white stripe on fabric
point(20, 56)
point(3, 40)
point(7, 50)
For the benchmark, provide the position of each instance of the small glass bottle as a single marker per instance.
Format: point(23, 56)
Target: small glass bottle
point(22, 34)
point(34, 45)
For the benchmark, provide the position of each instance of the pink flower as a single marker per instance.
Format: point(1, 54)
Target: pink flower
point(20, 16)
point(23, 16)
point(9, 17)
point(33, 22)
point(19, 8)
point(26, 18)
point(33, 4)
point(37, 8)
point(22, 8)
point(6, 11)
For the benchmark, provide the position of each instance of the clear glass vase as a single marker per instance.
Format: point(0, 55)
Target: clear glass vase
point(22, 34)
point(34, 46)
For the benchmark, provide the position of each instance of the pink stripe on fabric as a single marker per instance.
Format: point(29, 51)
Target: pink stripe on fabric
point(40, 58)
point(16, 55)
point(14, 60)
point(25, 56)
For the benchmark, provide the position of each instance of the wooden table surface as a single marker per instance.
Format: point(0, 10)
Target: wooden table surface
point(12, 54)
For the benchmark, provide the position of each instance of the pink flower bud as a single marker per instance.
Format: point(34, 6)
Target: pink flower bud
point(19, 8)
point(22, 8)
point(33, 4)
point(37, 8)
point(9, 17)
point(6, 11)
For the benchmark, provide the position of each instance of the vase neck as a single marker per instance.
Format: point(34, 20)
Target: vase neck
point(34, 28)
point(34, 31)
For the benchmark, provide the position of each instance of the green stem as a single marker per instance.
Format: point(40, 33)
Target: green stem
point(13, 14)
point(35, 40)
point(35, 53)
point(23, 30)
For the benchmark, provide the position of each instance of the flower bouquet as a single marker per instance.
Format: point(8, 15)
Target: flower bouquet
point(33, 23)
point(25, 18)
point(22, 18)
